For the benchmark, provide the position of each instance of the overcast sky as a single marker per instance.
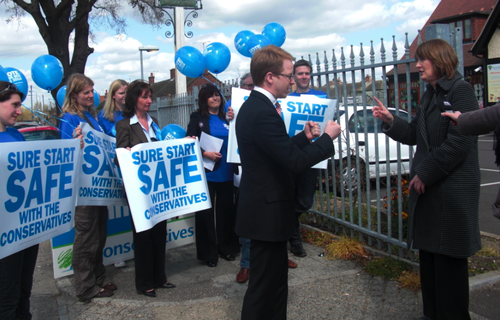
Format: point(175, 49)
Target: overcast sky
point(311, 27)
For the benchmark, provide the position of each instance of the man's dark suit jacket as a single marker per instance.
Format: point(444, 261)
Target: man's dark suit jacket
point(270, 158)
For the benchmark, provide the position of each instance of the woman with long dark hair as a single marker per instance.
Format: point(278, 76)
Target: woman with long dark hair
point(215, 233)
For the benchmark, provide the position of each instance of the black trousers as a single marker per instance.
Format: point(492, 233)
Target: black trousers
point(445, 286)
point(305, 188)
point(267, 292)
point(215, 228)
point(149, 256)
point(16, 280)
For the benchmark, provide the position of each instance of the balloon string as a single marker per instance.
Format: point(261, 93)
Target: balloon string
point(218, 89)
point(48, 115)
point(59, 108)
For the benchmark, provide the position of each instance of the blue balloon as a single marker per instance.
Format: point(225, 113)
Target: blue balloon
point(61, 93)
point(241, 42)
point(217, 57)
point(17, 77)
point(257, 42)
point(172, 131)
point(275, 32)
point(47, 72)
point(3, 75)
point(97, 99)
point(190, 62)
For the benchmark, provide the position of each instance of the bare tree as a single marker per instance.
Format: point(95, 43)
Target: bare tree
point(62, 23)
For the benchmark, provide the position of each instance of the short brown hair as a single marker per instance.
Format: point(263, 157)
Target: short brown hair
point(265, 60)
point(441, 54)
point(7, 89)
point(302, 63)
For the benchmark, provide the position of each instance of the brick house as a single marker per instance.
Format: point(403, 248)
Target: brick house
point(470, 16)
point(167, 87)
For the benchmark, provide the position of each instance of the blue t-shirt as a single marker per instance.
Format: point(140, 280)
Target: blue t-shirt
point(11, 135)
point(317, 93)
point(220, 129)
point(72, 121)
point(106, 124)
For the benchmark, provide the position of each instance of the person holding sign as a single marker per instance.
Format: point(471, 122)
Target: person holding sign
point(270, 159)
point(115, 102)
point(305, 183)
point(112, 113)
point(149, 246)
point(215, 234)
point(90, 221)
point(16, 270)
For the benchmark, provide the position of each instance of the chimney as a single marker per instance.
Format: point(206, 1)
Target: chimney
point(172, 73)
point(151, 79)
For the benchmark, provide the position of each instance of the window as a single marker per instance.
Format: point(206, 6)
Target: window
point(467, 30)
point(465, 26)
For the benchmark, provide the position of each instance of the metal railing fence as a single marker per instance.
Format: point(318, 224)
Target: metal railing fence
point(368, 196)
point(363, 192)
point(177, 108)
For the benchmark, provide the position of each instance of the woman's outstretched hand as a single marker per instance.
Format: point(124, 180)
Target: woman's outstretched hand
point(381, 112)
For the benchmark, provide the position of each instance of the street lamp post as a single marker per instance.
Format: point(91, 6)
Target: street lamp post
point(179, 22)
point(147, 49)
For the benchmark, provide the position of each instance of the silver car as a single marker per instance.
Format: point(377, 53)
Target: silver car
point(362, 138)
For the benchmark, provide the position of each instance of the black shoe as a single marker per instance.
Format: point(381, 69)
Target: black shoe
point(228, 257)
point(151, 294)
point(167, 285)
point(211, 264)
point(297, 250)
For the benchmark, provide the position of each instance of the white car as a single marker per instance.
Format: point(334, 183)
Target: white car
point(374, 147)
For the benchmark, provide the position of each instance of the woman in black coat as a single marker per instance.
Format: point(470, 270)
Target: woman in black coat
point(444, 187)
point(149, 246)
point(215, 233)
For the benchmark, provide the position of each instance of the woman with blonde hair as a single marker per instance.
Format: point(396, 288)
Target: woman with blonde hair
point(112, 111)
point(90, 221)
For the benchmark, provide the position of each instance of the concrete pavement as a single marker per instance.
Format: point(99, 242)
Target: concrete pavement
point(318, 289)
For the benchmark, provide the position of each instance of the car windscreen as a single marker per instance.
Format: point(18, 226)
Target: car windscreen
point(41, 135)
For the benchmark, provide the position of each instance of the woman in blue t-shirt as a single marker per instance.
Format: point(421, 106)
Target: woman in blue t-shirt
point(16, 270)
point(90, 221)
point(112, 111)
point(215, 237)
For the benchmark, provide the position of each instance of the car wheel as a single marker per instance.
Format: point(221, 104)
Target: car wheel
point(349, 174)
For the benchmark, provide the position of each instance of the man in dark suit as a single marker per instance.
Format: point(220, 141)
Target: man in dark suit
point(270, 159)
